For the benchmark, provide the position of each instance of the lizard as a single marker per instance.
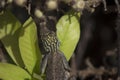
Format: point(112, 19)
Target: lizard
point(54, 63)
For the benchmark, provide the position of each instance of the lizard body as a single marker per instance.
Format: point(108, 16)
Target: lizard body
point(54, 63)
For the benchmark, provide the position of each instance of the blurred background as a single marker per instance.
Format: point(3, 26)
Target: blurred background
point(96, 52)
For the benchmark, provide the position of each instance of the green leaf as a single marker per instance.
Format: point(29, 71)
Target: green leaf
point(12, 72)
point(68, 32)
point(9, 33)
point(29, 46)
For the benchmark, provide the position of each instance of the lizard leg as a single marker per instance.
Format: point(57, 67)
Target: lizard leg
point(65, 63)
point(44, 64)
point(68, 76)
point(67, 68)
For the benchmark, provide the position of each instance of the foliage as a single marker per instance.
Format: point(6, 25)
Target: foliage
point(9, 32)
point(68, 32)
point(28, 45)
point(12, 72)
point(21, 43)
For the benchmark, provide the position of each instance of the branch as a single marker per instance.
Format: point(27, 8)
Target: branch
point(79, 5)
point(97, 72)
point(118, 5)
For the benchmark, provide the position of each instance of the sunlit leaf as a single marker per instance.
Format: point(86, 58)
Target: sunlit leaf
point(9, 33)
point(12, 72)
point(68, 32)
point(29, 46)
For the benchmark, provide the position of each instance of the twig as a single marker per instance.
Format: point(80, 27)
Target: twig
point(118, 5)
point(97, 72)
point(105, 5)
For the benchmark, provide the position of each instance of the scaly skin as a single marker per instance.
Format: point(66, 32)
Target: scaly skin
point(55, 68)
point(54, 62)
